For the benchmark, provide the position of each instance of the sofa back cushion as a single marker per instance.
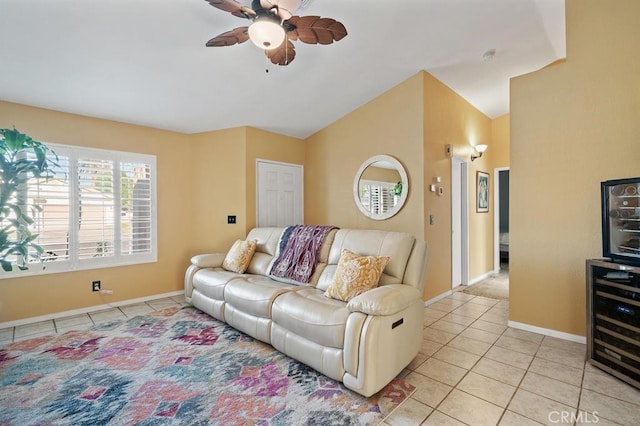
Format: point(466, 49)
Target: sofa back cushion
point(267, 244)
point(267, 247)
point(396, 245)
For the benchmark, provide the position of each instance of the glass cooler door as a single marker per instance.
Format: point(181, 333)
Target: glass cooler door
point(623, 220)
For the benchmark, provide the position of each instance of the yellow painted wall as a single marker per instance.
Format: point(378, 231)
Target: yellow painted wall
point(205, 177)
point(218, 183)
point(573, 125)
point(449, 119)
point(224, 181)
point(500, 147)
point(381, 174)
point(413, 122)
point(45, 294)
point(389, 124)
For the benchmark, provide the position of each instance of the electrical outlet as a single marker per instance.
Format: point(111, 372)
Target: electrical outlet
point(95, 285)
point(231, 219)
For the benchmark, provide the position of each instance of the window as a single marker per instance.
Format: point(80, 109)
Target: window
point(98, 210)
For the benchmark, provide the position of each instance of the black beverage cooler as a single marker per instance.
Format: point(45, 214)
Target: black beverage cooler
point(613, 285)
point(621, 220)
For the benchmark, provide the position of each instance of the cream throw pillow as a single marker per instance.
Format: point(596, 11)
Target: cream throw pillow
point(239, 257)
point(355, 275)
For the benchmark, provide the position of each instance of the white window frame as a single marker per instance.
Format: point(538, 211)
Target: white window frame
point(75, 153)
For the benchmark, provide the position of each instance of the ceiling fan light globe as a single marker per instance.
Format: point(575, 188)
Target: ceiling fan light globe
point(266, 33)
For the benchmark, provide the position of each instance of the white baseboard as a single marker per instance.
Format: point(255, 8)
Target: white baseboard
point(440, 297)
point(521, 326)
point(548, 332)
point(88, 309)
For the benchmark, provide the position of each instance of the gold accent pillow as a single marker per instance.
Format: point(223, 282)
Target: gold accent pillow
point(355, 275)
point(239, 257)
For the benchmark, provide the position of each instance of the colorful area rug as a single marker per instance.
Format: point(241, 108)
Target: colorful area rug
point(177, 366)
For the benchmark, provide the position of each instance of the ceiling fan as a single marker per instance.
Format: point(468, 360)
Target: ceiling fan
point(274, 27)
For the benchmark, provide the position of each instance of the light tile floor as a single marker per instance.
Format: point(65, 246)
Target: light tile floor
point(472, 369)
point(85, 321)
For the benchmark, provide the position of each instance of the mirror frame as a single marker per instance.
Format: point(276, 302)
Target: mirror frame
point(405, 187)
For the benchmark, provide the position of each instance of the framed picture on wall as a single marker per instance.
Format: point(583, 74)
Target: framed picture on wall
point(482, 192)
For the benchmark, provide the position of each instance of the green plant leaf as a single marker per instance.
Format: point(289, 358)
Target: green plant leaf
point(22, 249)
point(17, 167)
point(6, 265)
point(14, 140)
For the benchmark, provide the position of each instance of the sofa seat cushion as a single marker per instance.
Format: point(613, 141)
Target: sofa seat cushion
point(307, 312)
point(211, 282)
point(254, 294)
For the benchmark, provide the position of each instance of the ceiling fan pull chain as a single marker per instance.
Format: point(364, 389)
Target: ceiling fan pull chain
point(286, 49)
point(266, 58)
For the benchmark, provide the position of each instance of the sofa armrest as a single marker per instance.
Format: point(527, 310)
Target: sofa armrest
point(213, 260)
point(384, 300)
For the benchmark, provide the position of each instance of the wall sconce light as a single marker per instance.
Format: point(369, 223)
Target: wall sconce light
point(479, 149)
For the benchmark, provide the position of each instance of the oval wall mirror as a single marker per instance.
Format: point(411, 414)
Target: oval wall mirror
point(380, 187)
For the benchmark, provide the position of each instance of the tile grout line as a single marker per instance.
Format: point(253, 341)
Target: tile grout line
point(520, 384)
point(468, 371)
point(527, 370)
point(88, 314)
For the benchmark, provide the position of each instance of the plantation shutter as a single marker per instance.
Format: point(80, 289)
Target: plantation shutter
point(374, 190)
point(95, 210)
point(49, 200)
point(387, 201)
point(136, 208)
point(377, 197)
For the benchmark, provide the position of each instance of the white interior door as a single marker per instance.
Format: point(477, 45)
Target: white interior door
point(279, 193)
point(459, 223)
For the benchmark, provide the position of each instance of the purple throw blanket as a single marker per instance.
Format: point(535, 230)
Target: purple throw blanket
point(298, 252)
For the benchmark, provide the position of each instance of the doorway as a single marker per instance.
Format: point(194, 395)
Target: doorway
point(279, 194)
point(459, 222)
point(501, 220)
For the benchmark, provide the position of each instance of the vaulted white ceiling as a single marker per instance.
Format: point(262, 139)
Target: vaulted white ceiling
point(145, 61)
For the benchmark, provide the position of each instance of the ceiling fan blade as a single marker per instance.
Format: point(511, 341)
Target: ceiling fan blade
point(284, 14)
point(233, 7)
point(267, 4)
point(229, 38)
point(282, 55)
point(316, 30)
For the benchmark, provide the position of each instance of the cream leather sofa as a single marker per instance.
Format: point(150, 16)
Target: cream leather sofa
point(364, 343)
